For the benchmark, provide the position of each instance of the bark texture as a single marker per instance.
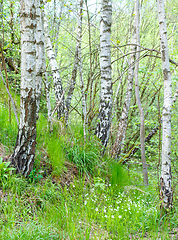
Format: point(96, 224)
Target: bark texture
point(105, 110)
point(45, 75)
point(39, 52)
point(166, 178)
point(24, 153)
point(58, 89)
point(175, 95)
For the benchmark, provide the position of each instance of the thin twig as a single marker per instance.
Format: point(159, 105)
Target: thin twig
point(15, 112)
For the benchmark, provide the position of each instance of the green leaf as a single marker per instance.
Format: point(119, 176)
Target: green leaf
point(1, 166)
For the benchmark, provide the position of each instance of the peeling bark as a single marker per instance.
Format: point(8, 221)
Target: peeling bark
point(105, 110)
point(24, 153)
point(166, 178)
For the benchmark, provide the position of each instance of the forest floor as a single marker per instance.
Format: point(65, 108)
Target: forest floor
point(69, 206)
point(74, 193)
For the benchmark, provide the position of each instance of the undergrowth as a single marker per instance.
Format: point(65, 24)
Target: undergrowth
point(103, 201)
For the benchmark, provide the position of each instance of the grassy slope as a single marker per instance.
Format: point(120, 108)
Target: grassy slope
point(68, 197)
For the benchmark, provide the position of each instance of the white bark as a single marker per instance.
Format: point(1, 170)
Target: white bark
point(45, 75)
point(24, 153)
point(103, 126)
point(166, 178)
point(39, 52)
point(142, 127)
point(58, 89)
point(175, 95)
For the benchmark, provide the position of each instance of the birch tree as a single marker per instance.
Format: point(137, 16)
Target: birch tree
point(39, 52)
point(105, 110)
point(58, 88)
point(166, 178)
point(24, 153)
point(45, 74)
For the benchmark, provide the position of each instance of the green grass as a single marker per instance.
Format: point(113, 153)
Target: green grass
point(8, 133)
point(45, 210)
point(104, 201)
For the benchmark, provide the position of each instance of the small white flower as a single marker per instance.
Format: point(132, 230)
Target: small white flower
point(120, 216)
point(96, 209)
point(85, 202)
point(104, 210)
point(112, 216)
point(105, 216)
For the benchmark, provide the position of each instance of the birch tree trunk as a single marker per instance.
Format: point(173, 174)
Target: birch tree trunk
point(105, 110)
point(39, 52)
point(58, 89)
point(166, 178)
point(175, 95)
point(24, 153)
point(121, 132)
point(76, 60)
point(142, 127)
point(45, 75)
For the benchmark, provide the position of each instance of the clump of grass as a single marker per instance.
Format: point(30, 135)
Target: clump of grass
point(119, 176)
point(86, 156)
point(52, 142)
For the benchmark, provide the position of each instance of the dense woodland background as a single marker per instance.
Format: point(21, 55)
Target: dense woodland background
point(80, 187)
